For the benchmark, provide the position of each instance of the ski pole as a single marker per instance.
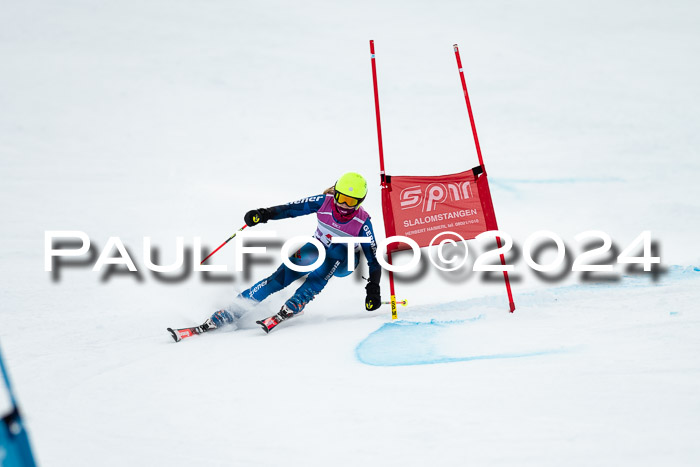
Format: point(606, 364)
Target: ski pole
point(229, 239)
point(404, 303)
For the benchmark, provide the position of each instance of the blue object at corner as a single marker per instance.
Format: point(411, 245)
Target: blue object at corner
point(15, 450)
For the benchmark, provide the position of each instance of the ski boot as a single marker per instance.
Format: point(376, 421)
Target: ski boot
point(268, 324)
point(216, 320)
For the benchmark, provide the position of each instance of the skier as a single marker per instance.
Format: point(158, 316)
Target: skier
point(339, 214)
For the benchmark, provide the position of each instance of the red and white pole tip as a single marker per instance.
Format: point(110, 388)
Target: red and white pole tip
point(403, 302)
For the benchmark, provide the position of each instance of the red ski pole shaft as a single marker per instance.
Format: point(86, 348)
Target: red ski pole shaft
point(228, 240)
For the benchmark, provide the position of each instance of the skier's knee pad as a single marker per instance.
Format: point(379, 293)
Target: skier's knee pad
point(342, 269)
point(305, 256)
point(308, 254)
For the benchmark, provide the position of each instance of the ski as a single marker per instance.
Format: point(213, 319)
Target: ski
point(268, 324)
point(179, 334)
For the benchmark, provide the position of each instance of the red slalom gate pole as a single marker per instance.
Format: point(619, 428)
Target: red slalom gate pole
point(511, 303)
point(469, 108)
point(379, 120)
point(382, 174)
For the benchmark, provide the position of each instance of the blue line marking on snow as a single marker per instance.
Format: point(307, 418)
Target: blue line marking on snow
point(509, 184)
point(565, 180)
point(405, 343)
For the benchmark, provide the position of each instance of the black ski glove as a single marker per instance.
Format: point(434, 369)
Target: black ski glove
point(256, 216)
point(373, 300)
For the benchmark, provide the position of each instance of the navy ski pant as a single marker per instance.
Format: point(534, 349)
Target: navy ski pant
point(335, 264)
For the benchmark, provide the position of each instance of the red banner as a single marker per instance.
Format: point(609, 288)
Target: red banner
point(422, 207)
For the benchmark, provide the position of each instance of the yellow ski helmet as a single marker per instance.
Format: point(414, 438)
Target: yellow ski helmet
point(351, 189)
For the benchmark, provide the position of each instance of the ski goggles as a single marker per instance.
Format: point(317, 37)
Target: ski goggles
point(349, 200)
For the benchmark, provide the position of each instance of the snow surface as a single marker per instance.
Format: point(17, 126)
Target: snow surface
point(161, 119)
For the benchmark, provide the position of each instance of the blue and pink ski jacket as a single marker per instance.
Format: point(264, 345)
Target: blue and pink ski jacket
point(329, 226)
